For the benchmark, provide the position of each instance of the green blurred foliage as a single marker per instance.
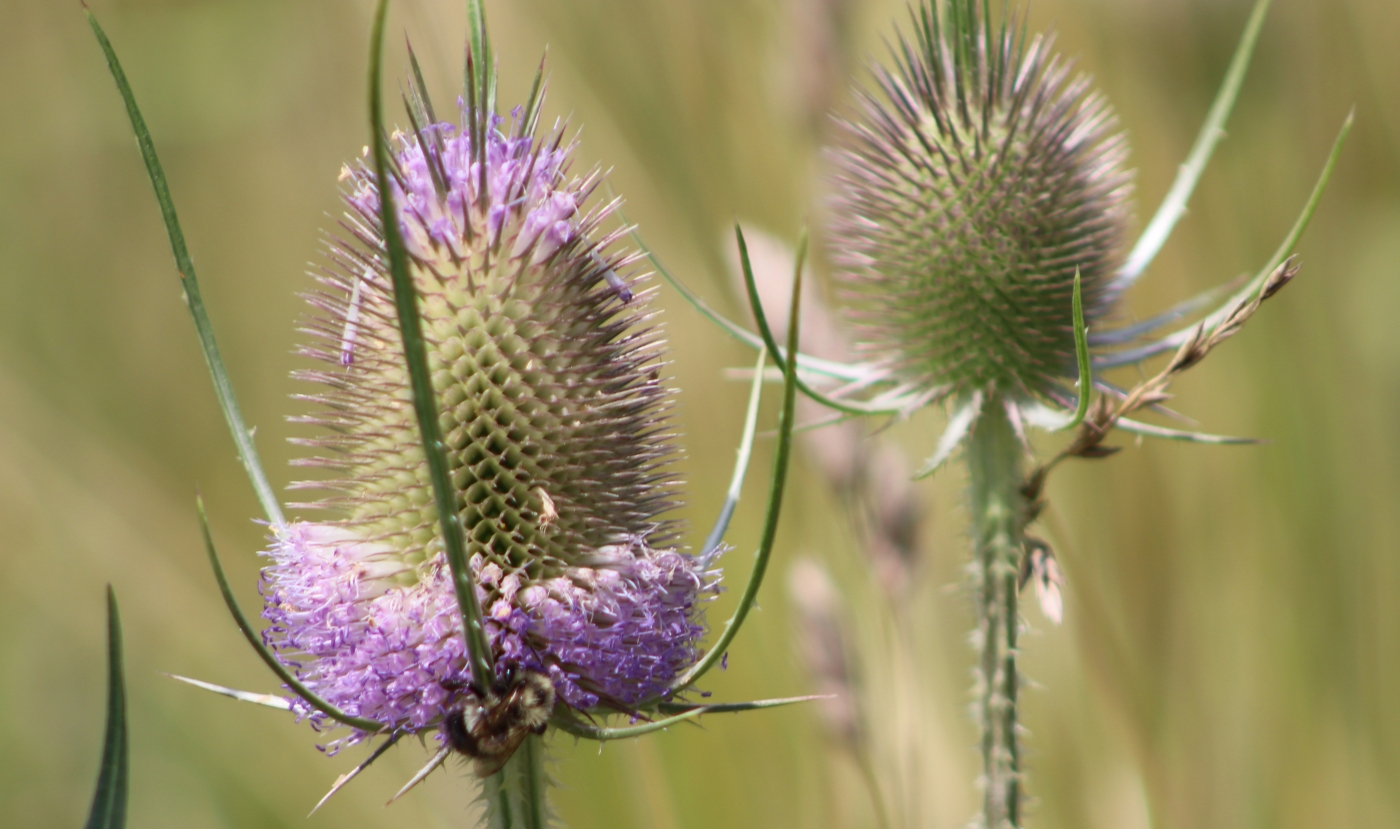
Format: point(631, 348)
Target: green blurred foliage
point(1232, 643)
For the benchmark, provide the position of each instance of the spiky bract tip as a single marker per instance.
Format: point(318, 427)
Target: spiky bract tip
point(978, 178)
point(547, 374)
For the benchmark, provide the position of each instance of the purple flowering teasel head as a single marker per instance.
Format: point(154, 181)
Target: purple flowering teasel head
point(553, 415)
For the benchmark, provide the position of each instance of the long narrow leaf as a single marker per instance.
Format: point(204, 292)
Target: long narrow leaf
point(1173, 341)
point(109, 801)
point(424, 398)
point(228, 403)
point(1081, 356)
point(258, 645)
point(1174, 205)
point(816, 365)
point(741, 463)
point(764, 331)
point(781, 457)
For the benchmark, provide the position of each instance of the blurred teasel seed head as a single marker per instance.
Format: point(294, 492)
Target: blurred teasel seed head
point(823, 645)
point(978, 177)
point(547, 374)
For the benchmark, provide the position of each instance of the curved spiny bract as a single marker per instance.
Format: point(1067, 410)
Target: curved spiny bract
point(979, 177)
point(546, 369)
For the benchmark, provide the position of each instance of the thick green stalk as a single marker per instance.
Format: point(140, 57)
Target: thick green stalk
point(516, 795)
point(994, 458)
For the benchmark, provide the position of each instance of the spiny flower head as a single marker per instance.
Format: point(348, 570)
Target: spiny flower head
point(553, 416)
point(980, 178)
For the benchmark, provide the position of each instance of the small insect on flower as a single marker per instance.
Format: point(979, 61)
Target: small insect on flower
point(489, 727)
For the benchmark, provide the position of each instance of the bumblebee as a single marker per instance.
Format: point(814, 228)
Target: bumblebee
point(489, 728)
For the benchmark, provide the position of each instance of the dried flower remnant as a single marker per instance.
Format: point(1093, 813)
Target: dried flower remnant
point(554, 422)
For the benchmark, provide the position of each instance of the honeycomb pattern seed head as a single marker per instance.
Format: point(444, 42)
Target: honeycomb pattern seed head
point(979, 176)
point(547, 374)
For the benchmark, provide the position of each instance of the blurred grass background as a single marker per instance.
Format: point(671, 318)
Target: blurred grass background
point(1232, 646)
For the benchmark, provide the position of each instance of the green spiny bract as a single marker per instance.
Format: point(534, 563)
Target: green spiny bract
point(967, 199)
point(550, 408)
point(551, 401)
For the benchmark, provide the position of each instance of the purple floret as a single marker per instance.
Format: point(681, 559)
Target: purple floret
point(374, 647)
point(521, 181)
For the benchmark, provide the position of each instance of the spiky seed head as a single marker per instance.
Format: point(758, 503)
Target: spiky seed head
point(978, 178)
point(554, 419)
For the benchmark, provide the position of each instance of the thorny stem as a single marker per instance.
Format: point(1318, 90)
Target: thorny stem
point(515, 795)
point(994, 457)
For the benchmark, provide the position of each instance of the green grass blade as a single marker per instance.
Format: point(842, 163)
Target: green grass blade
point(1174, 205)
point(1081, 356)
point(228, 403)
point(781, 457)
point(424, 398)
point(256, 641)
point(741, 464)
point(764, 331)
point(1285, 248)
point(109, 801)
point(1173, 341)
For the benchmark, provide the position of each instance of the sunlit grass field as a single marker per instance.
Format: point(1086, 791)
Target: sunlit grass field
point(1231, 650)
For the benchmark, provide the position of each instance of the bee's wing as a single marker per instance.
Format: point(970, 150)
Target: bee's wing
point(487, 765)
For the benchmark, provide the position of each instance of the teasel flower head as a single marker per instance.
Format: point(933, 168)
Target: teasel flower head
point(980, 176)
point(546, 370)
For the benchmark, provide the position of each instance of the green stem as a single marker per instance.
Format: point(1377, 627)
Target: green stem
point(515, 796)
point(994, 460)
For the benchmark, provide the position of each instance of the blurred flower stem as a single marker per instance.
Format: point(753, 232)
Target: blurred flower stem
point(994, 462)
